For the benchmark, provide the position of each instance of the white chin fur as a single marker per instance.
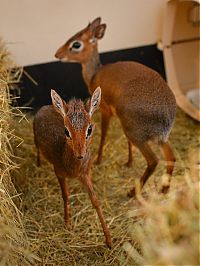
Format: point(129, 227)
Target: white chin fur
point(64, 59)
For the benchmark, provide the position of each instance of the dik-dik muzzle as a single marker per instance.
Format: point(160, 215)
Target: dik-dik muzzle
point(61, 53)
point(79, 147)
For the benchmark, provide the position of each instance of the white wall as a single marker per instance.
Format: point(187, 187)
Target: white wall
point(34, 29)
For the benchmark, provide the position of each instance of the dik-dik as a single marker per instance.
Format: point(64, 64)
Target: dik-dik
point(136, 94)
point(62, 133)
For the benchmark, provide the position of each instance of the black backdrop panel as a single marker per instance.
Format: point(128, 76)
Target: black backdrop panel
point(66, 78)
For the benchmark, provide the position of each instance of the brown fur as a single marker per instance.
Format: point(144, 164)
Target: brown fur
point(70, 156)
point(135, 93)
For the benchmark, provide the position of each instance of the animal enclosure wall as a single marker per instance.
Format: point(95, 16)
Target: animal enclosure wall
point(34, 29)
point(34, 35)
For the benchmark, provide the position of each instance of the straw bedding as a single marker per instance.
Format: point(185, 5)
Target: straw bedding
point(153, 230)
point(43, 207)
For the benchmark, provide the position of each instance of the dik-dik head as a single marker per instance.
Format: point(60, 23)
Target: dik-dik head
point(77, 120)
point(80, 47)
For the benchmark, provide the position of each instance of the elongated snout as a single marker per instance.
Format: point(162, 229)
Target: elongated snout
point(80, 156)
point(79, 148)
point(60, 53)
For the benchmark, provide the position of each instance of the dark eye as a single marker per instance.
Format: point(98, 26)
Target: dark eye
point(67, 133)
point(89, 131)
point(77, 46)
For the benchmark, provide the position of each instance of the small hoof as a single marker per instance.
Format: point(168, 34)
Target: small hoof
point(68, 226)
point(109, 246)
point(165, 189)
point(131, 193)
point(97, 162)
point(109, 243)
point(128, 164)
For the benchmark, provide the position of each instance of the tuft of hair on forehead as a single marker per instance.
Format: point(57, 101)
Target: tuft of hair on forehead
point(78, 35)
point(77, 114)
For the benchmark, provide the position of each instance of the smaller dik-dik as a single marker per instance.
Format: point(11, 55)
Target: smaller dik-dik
point(135, 93)
point(63, 134)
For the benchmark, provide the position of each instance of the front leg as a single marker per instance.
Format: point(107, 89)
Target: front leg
point(65, 196)
point(86, 180)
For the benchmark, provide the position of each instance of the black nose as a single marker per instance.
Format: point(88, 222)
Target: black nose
point(80, 157)
point(58, 54)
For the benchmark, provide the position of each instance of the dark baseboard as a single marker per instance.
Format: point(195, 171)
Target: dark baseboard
point(67, 79)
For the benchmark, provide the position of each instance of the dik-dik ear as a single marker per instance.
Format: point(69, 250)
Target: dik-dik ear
point(100, 31)
point(95, 101)
point(93, 25)
point(97, 29)
point(58, 103)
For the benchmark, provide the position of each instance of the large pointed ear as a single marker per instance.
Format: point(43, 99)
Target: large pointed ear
point(100, 31)
point(94, 24)
point(58, 103)
point(95, 101)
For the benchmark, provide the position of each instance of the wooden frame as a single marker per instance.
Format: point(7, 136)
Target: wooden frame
point(181, 45)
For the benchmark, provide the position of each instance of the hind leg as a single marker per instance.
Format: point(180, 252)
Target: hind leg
point(38, 158)
point(105, 120)
point(170, 162)
point(152, 162)
point(130, 157)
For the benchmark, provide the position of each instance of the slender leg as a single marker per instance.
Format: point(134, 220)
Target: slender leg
point(105, 119)
point(86, 180)
point(130, 157)
point(152, 162)
point(65, 196)
point(170, 162)
point(38, 158)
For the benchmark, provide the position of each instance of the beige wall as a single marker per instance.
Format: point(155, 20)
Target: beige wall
point(33, 29)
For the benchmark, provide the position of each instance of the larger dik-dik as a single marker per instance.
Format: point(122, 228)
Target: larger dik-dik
point(63, 134)
point(135, 93)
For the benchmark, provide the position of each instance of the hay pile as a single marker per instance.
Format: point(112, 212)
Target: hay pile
point(168, 233)
point(132, 223)
point(13, 240)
